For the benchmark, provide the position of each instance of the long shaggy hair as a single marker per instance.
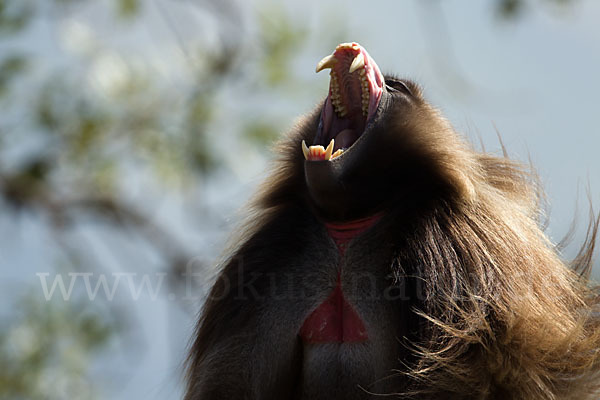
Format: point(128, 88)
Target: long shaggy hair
point(499, 314)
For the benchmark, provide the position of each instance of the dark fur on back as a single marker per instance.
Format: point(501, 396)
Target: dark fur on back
point(498, 314)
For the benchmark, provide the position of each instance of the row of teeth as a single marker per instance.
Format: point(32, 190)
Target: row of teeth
point(336, 98)
point(319, 153)
point(357, 63)
point(365, 92)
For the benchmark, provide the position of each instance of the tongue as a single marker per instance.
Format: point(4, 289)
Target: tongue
point(345, 138)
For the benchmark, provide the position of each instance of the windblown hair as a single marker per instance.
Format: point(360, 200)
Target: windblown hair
point(499, 314)
point(505, 316)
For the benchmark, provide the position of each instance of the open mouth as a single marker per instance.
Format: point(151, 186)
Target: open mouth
point(355, 91)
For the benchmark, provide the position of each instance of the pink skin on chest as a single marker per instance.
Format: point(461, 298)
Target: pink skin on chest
point(335, 320)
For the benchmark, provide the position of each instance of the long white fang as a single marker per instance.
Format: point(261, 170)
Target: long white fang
point(358, 62)
point(305, 149)
point(329, 150)
point(326, 62)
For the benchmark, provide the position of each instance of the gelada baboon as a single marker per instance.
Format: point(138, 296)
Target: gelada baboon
point(384, 256)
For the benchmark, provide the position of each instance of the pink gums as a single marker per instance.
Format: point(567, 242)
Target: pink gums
point(374, 77)
point(335, 320)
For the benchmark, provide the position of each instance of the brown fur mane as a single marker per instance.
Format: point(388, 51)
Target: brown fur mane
point(506, 316)
point(501, 314)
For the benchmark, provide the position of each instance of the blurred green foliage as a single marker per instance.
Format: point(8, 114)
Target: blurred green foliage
point(14, 15)
point(260, 132)
point(10, 67)
point(47, 352)
point(128, 8)
point(281, 38)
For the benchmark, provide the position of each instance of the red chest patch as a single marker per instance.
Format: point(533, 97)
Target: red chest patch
point(335, 320)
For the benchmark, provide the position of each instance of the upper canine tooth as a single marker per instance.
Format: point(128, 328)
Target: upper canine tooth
point(326, 62)
point(305, 149)
point(358, 62)
point(329, 149)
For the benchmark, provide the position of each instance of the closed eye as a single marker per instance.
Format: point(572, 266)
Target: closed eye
point(398, 85)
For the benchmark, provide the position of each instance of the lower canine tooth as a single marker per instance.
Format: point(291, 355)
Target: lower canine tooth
point(305, 149)
point(329, 149)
